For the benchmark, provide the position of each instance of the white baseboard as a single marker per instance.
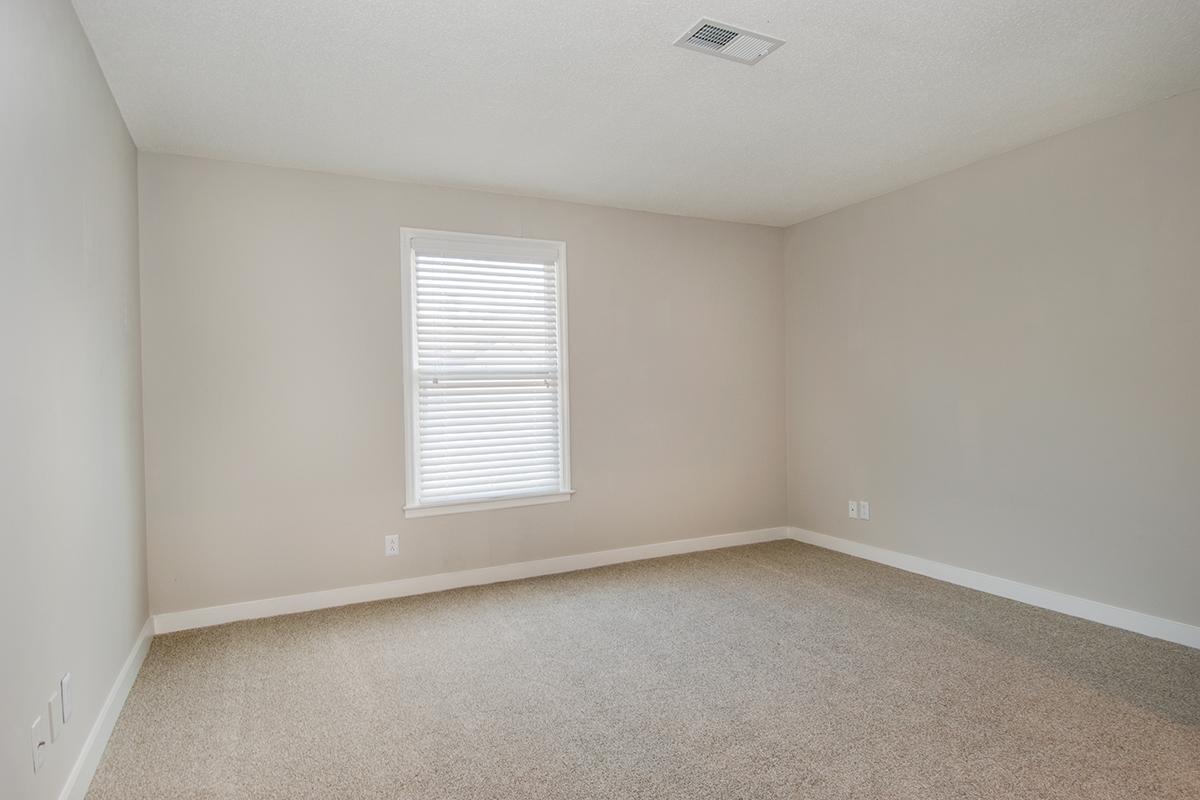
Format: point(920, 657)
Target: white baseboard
point(93, 747)
point(1158, 627)
point(291, 604)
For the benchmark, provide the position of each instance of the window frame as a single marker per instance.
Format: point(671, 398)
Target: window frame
point(480, 245)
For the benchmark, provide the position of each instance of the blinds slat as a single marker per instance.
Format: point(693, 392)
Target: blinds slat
point(430, 288)
point(436, 345)
point(535, 358)
point(503, 283)
point(480, 422)
point(497, 463)
point(506, 478)
point(536, 266)
point(446, 427)
point(522, 411)
point(479, 327)
point(463, 493)
point(528, 305)
point(527, 444)
point(510, 318)
point(475, 403)
point(485, 389)
point(486, 437)
point(476, 452)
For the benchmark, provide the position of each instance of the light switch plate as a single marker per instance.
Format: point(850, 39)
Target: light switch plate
point(864, 509)
point(40, 739)
point(54, 715)
point(64, 687)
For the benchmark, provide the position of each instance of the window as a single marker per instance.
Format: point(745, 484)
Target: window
point(485, 354)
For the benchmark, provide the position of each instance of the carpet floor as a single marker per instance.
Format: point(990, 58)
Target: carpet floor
point(776, 670)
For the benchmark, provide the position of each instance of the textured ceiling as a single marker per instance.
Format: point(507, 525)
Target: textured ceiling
point(589, 101)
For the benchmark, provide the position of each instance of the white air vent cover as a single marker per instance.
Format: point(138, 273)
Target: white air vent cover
point(728, 41)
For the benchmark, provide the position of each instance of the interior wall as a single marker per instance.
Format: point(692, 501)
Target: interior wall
point(72, 554)
point(271, 303)
point(1002, 360)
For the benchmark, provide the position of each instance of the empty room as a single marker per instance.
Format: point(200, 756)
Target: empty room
point(529, 400)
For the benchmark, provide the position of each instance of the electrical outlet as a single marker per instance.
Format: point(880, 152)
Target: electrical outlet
point(391, 545)
point(853, 509)
point(864, 509)
point(54, 715)
point(64, 687)
point(40, 739)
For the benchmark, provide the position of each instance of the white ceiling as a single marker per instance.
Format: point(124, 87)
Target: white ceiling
point(587, 100)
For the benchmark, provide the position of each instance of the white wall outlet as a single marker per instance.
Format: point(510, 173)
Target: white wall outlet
point(40, 739)
point(54, 715)
point(391, 545)
point(864, 509)
point(853, 509)
point(64, 687)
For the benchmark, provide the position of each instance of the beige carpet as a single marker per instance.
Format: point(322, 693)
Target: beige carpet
point(769, 671)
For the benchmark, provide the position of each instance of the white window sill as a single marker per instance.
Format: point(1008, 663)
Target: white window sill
point(435, 509)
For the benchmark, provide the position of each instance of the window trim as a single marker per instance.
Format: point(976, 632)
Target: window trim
point(485, 244)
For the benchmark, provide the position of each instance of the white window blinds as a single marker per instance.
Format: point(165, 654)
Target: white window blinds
point(487, 391)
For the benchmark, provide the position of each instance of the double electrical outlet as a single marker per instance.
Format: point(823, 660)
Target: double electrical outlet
point(860, 509)
point(48, 727)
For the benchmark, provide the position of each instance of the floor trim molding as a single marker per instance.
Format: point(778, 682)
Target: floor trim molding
point(1136, 621)
point(80, 777)
point(310, 601)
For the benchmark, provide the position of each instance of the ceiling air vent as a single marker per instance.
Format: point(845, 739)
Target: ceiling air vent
point(727, 41)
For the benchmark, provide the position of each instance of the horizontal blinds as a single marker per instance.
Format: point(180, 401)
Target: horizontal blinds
point(487, 376)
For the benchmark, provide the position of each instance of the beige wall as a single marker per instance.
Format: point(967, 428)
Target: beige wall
point(1003, 360)
point(273, 407)
point(72, 544)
